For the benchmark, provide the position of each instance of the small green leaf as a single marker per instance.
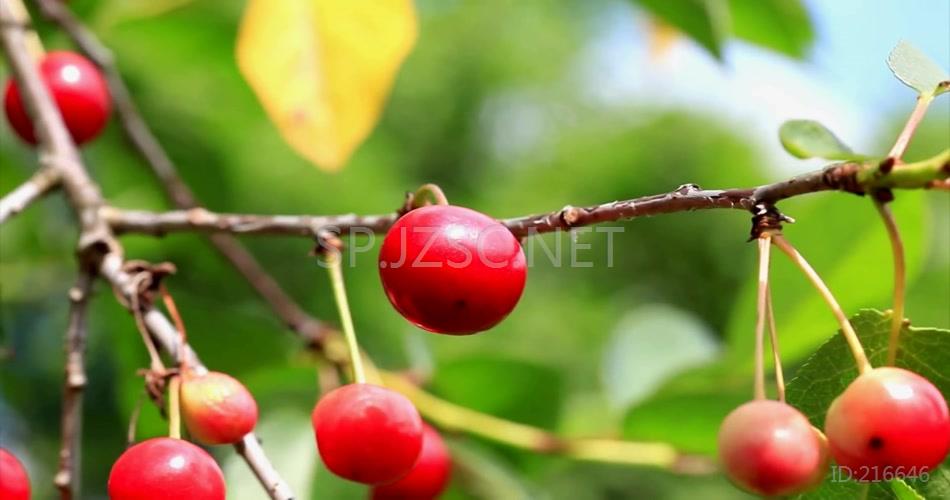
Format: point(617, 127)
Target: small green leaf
point(810, 139)
point(903, 491)
point(705, 21)
point(917, 71)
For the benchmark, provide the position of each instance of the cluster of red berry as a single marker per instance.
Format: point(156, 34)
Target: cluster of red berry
point(888, 423)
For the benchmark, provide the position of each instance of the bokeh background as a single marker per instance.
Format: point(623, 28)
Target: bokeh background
point(513, 108)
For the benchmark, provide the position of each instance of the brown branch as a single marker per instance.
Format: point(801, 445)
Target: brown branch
point(849, 177)
point(68, 476)
point(97, 243)
point(143, 140)
point(34, 188)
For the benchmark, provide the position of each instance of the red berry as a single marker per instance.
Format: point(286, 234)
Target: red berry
point(14, 483)
point(452, 270)
point(889, 420)
point(80, 93)
point(367, 433)
point(165, 469)
point(216, 408)
point(770, 448)
point(427, 478)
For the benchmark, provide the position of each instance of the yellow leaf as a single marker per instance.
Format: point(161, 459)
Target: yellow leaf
point(323, 69)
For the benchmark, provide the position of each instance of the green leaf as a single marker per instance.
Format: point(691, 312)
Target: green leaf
point(903, 491)
point(515, 390)
point(810, 139)
point(689, 420)
point(831, 368)
point(916, 70)
point(780, 25)
point(705, 21)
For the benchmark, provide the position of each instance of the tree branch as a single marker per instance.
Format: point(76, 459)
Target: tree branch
point(850, 177)
point(176, 190)
point(97, 243)
point(34, 188)
point(68, 476)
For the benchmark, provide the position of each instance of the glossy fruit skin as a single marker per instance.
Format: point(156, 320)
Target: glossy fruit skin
point(216, 408)
point(166, 469)
point(367, 433)
point(428, 478)
point(452, 270)
point(890, 419)
point(80, 92)
point(14, 482)
point(769, 448)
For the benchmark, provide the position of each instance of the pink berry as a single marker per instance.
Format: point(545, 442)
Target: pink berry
point(14, 483)
point(80, 92)
point(452, 270)
point(216, 408)
point(428, 478)
point(367, 433)
point(770, 448)
point(890, 420)
point(166, 469)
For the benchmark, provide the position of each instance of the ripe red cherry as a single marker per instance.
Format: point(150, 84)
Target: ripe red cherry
point(14, 483)
point(451, 270)
point(165, 469)
point(216, 408)
point(889, 418)
point(770, 448)
point(427, 478)
point(80, 93)
point(367, 433)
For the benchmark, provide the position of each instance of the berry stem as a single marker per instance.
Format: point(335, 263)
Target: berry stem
point(33, 43)
point(335, 268)
point(773, 339)
point(860, 358)
point(761, 302)
point(174, 408)
point(179, 324)
point(900, 277)
point(916, 116)
point(134, 420)
point(430, 191)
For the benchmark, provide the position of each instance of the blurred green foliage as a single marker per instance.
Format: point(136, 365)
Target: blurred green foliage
point(495, 117)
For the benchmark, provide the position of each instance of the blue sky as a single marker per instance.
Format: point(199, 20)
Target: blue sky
point(843, 83)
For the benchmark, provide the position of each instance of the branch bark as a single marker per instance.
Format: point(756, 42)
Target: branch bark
point(97, 243)
point(176, 190)
point(34, 188)
point(850, 177)
point(69, 473)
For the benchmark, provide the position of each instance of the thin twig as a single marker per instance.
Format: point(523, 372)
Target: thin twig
point(776, 356)
point(67, 477)
point(860, 358)
point(900, 278)
point(761, 302)
point(34, 188)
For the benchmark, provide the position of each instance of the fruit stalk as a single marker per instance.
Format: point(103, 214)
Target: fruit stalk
point(174, 408)
point(900, 278)
point(335, 269)
point(773, 339)
point(860, 358)
point(761, 303)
